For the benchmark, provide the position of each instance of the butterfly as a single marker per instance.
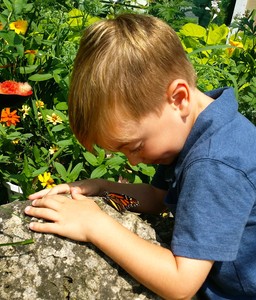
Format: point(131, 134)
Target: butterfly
point(120, 202)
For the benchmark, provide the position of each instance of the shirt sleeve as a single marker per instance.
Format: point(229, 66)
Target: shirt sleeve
point(213, 208)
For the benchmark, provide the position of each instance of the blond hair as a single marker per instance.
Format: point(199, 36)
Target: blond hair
point(122, 70)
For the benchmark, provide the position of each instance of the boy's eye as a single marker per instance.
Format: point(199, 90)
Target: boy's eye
point(136, 149)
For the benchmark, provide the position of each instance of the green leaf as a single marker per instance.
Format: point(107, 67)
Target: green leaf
point(37, 154)
point(217, 34)
point(39, 171)
point(8, 4)
point(61, 170)
point(147, 170)
point(193, 30)
point(92, 159)
point(40, 77)
point(99, 172)
point(75, 172)
point(21, 243)
point(58, 128)
point(26, 169)
point(65, 143)
point(115, 161)
point(62, 106)
point(28, 69)
point(18, 6)
point(11, 37)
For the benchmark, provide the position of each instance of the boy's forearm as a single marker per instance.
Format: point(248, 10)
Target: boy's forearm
point(152, 265)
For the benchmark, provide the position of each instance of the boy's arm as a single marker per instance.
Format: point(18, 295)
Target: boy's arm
point(150, 198)
point(154, 266)
point(169, 276)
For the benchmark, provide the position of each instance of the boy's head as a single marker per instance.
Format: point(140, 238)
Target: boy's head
point(121, 73)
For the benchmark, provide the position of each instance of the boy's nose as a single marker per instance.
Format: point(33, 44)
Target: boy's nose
point(134, 160)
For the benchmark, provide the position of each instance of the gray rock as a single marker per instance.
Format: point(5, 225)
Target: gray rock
point(56, 268)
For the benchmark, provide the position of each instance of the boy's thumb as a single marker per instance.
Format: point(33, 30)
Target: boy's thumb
point(76, 195)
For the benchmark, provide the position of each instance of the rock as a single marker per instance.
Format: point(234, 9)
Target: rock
point(56, 268)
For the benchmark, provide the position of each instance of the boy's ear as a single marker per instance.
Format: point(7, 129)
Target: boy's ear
point(178, 96)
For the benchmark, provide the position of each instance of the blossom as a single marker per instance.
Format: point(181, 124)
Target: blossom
point(53, 149)
point(39, 103)
point(54, 119)
point(9, 117)
point(15, 141)
point(1, 26)
point(24, 109)
point(34, 52)
point(19, 26)
point(46, 180)
point(15, 88)
point(39, 115)
point(236, 44)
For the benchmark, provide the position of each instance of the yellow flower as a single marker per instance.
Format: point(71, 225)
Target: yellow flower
point(39, 103)
point(236, 44)
point(54, 119)
point(19, 26)
point(15, 141)
point(39, 115)
point(53, 149)
point(24, 109)
point(46, 180)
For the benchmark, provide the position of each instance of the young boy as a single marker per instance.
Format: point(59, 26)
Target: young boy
point(133, 90)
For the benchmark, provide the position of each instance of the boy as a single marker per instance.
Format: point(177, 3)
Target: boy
point(133, 90)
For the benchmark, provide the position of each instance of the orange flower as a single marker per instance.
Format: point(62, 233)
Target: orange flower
point(19, 26)
point(1, 26)
point(9, 117)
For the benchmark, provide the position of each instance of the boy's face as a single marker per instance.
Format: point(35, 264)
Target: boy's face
point(156, 139)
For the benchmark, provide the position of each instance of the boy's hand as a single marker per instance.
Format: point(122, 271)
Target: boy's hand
point(65, 217)
point(86, 187)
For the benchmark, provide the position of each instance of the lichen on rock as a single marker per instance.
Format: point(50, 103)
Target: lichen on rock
point(54, 267)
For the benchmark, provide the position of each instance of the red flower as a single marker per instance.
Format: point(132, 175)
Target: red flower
point(15, 88)
point(9, 117)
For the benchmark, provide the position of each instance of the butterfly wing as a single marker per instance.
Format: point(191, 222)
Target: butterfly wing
point(120, 202)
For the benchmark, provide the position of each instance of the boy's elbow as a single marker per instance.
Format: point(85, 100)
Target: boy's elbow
point(181, 293)
point(180, 296)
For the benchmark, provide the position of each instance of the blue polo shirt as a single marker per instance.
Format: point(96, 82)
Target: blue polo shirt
point(212, 193)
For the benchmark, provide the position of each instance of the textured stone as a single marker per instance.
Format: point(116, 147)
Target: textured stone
point(57, 268)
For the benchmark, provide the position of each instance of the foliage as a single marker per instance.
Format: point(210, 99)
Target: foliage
point(173, 12)
point(227, 64)
point(43, 54)
point(203, 10)
point(38, 44)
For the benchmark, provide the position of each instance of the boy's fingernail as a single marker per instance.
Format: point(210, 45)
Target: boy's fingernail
point(74, 191)
point(27, 209)
point(31, 225)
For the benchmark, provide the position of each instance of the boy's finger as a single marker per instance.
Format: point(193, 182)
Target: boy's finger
point(43, 227)
point(41, 213)
point(39, 194)
point(75, 194)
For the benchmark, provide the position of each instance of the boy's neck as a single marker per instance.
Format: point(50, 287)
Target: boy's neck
point(201, 101)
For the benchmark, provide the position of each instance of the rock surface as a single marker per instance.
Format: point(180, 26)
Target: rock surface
point(56, 268)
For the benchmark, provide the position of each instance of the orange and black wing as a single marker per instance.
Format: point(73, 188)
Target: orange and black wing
point(120, 202)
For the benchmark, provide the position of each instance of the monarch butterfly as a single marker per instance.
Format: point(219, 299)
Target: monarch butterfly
point(120, 202)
